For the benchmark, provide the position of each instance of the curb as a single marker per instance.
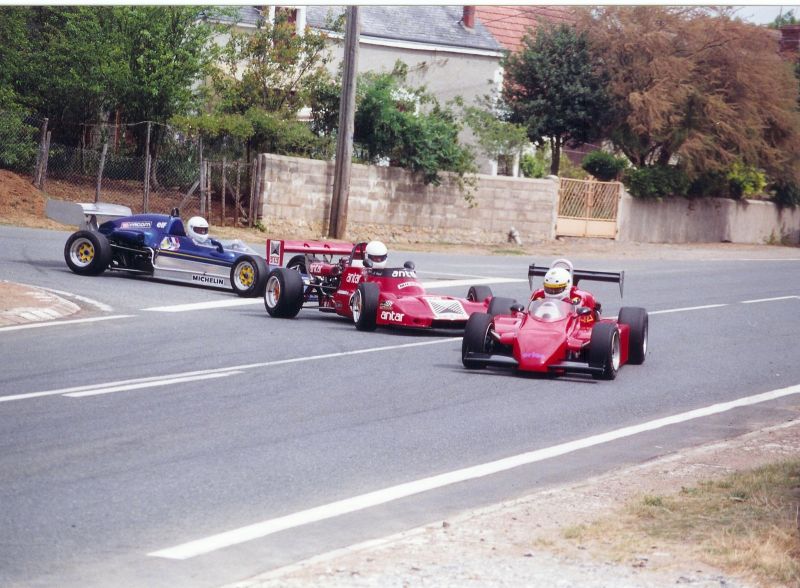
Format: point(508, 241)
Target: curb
point(22, 304)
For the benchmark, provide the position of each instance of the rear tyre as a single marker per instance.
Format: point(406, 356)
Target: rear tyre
point(636, 318)
point(365, 306)
point(476, 339)
point(297, 263)
point(87, 253)
point(249, 276)
point(500, 305)
point(604, 351)
point(283, 295)
point(479, 293)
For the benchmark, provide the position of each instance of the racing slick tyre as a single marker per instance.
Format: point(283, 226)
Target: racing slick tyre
point(476, 338)
point(479, 293)
point(297, 263)
point(636, 319)
point(365, 306)
point(283, 294)
point(604, 351)
point(500, 305)
point(87, 253)
point(249, 276)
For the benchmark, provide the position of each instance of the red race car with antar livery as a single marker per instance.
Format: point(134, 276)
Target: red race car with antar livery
point(340, 278)
point(560, 331)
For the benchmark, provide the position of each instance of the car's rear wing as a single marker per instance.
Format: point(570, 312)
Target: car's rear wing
point(578, 275)
point(82, 214)
point(277, 248)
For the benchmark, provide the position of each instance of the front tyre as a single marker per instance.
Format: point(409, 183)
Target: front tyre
point(636, 318)
point(365, 306)
point(479, 293)
point(249, 276)
point(87, 253)
point(283, 294)
point(500, 305)
point(476, 339)
point(604, 352)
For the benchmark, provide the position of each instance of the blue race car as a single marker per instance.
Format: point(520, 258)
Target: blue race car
point(155, 245)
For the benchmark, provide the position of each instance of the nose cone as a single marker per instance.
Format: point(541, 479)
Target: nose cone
point(536, 348)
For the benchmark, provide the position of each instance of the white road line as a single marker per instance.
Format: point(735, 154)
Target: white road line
point(471, 282)
point(56, 323)
point(205, 305)
point(378, 497)
point(78, 391)
point(769, 299)
point(99, 305)
point(156, 383)
point(688, 308)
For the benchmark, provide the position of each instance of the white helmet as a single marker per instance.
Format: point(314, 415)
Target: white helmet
point(557, 283)
point(198, 229)
point(377, 253)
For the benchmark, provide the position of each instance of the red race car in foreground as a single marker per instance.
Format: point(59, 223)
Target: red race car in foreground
point(558, 336)
point(337, 278)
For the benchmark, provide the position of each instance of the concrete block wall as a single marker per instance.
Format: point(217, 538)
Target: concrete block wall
point(392, 203)
point(710, 220)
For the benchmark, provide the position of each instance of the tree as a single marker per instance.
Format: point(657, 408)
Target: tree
point(499, 139)
point(553, 88)
point(699, 90)
point(783, 19)
point(408, 127)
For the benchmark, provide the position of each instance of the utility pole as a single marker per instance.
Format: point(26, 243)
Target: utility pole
point(337, 224)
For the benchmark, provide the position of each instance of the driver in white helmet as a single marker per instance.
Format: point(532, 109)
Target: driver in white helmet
point(197, 229)
point(557, 285)
point(377, 253)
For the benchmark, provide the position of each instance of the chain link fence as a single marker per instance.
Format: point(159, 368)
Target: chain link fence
point(118, 164)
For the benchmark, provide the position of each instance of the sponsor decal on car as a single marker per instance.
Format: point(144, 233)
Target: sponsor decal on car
point(404, 273)
point(353, 278)
point(208, 280)
point(386, 305)
point(406, 285)
point(136, 225)
point(161, 225)
point(532, 355)
point(274, 252)
point(315, 268)
point(395, 317)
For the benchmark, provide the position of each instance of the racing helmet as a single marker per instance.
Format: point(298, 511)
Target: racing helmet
point(198, 229)
point(377, 253)
point(557, 283)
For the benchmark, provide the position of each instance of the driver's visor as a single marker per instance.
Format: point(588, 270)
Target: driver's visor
point(200, 230)
point(378, 258)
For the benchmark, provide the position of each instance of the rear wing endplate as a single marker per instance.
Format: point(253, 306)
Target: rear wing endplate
point(276, 248)
point(82, 214)
point(578, 275)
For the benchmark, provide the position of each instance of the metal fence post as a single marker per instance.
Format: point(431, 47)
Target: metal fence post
point(147, 164)
point(41, 155)
point(224, 185)
point(100, 171)
point(202, 179)
point(236, 198)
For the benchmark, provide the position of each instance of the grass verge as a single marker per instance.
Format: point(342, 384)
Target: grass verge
point(747, 523)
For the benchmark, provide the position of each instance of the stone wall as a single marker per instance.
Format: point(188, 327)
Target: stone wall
point(392, 203)
point(710, 220)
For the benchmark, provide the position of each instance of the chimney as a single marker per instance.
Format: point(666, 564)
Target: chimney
point(468, 19)
point(790, 38)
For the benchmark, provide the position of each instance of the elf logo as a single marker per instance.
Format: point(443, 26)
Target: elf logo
point(389, 315)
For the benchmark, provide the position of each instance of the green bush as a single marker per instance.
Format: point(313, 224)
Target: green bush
point(17, 142)
point(787, 193)
point(603, 165)
point(656, 182)
point(534, 166)
point(745, 180)
point(738, 181)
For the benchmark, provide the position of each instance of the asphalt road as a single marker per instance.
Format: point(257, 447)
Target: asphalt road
point(179, 445)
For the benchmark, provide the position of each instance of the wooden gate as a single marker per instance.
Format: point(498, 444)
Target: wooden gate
point(588, 208)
